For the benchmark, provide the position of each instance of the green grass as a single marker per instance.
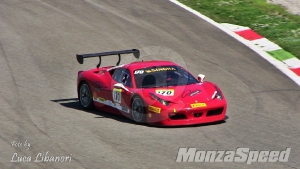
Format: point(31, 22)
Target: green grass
point(270, 20)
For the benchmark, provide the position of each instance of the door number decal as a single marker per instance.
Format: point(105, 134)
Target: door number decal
point(117, 93)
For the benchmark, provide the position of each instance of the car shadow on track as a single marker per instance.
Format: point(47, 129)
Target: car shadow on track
point(74, 104)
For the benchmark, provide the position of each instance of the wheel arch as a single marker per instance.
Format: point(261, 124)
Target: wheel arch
point(137, 95)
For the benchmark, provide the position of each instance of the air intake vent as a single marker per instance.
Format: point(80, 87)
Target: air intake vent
point(177, 116)
point(214, 112)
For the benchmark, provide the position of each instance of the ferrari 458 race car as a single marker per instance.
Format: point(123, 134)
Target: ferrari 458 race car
point(157, 92)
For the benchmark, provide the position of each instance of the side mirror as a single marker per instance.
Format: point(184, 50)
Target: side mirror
point(201, 78)
point(120, 85)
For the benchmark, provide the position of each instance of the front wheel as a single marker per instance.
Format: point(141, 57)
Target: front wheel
point(138, 110)
point(85, 96)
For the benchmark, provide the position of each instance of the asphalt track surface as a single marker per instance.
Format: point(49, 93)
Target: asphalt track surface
point(39, 40)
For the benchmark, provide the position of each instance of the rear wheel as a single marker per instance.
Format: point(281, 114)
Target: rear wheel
point(138, 110)
point(85, 96)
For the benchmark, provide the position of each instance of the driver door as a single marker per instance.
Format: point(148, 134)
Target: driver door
point(121, 90)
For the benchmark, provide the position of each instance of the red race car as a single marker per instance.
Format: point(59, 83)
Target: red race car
point(156, 92)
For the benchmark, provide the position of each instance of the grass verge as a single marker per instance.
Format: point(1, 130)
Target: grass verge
point(270, 20)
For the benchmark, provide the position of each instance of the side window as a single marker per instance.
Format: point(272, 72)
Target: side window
point(117, 75)
point(126, 78)
point(122, 75)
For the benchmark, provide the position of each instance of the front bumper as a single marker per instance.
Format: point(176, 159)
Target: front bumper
point(183, 114)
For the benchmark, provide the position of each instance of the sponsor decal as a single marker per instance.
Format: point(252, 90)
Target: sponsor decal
point(101, 99)
point(125, 109)
point(117, 90)
point(165, 92)
point(195, 105)
point(190, 93)
point(138, 72)
point(159, 69)
point(240, 155)
point(112, 104)
point(195, 92)
point(154, 109)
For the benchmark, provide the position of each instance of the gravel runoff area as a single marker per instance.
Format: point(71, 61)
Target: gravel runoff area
point(292, 5)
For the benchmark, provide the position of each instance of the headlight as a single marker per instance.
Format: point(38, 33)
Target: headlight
point(217, 94)
point(163, 102)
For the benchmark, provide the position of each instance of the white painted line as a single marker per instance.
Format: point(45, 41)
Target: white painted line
point(293, 62)
point(235, 28)
point(266, 44)
point(279, 65)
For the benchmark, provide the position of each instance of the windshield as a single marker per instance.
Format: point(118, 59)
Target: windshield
point(163, 76)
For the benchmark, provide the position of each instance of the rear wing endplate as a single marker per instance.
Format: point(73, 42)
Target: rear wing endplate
point(80, 57)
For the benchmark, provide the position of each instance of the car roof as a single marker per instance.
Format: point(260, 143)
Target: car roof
point(151, 63)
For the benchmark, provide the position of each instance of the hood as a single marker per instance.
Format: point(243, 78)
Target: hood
point(200, 92)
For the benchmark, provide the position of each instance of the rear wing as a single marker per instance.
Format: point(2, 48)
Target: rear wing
point(80, 57)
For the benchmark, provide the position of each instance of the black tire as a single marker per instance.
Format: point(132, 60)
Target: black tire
point(138, 110)
point(85, 96)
